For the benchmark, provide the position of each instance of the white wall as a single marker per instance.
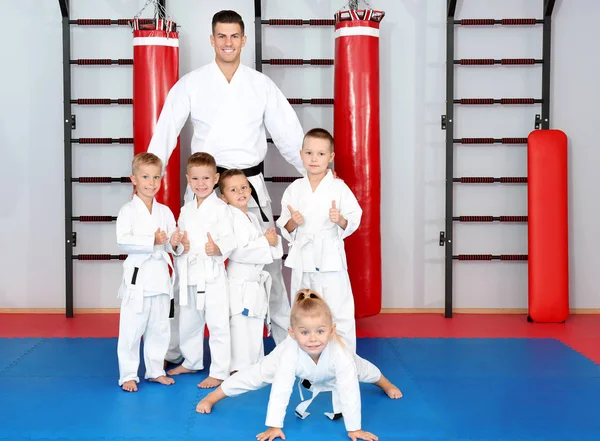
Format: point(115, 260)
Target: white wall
point(413, 149)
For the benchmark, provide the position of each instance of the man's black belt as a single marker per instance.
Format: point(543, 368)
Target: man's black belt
point(252, 171)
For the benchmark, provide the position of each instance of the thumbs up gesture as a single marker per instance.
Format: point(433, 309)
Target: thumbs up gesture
point(160, 237)
point(176, 238)
point(211, 247)
point(297, 217)
point(185, 242)
point(334, 213)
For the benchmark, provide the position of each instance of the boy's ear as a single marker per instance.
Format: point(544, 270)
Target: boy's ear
point(217, 176)
point(291, 333)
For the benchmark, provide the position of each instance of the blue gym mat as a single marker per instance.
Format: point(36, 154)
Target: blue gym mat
point(454, 389)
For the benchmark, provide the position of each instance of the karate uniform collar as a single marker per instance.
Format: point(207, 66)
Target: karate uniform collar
point(211, 199)
point(325, 182)
point(219, 72)
point(139, 204)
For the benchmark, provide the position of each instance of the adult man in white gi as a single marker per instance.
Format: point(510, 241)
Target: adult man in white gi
point(230, 106)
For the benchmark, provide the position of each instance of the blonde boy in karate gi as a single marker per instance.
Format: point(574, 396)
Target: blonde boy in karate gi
point(203, 294)
point(231, 106)
point(146, 231)
point(249, 283)
point(313, 351)
point(317, 213)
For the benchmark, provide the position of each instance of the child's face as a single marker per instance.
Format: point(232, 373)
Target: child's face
point(312, 334)
point(316, 155)
point(202, 180)
point(147, 179)
point(236, 192)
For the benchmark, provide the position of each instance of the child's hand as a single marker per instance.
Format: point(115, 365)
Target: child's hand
point(271, 236)
point(211, 247)
point(334, 214)
point(270, 434)
point(175, 238)
point(361, 434)
point(297, 217)
point(336, 217)
point(160, 237)
point(185, 242)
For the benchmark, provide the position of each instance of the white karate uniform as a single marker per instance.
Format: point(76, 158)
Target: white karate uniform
point(146, 288)
point(338, 370)
point(249, 288)
point(229, 121)
point(204, 297)
point(316, 254)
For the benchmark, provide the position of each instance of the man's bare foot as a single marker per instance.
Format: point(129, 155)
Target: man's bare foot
point(209, 383)
point(206, 404)
point(162, 380)
point(180, 370)
point(130, 386)
point(392, 391)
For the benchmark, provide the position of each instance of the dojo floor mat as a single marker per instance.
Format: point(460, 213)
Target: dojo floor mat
point(484, 389)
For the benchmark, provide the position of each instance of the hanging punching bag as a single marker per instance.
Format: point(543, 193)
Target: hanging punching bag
point(155, 71)
point(357, 157)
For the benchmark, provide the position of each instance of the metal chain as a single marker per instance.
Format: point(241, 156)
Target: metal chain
point(353, 4)
point(159, 10)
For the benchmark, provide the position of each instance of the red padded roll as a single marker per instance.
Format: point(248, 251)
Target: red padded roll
point(548, 226)
point(357, 157)
point(155, 71)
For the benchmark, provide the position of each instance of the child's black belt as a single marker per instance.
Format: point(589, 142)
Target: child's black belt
point(252, 171)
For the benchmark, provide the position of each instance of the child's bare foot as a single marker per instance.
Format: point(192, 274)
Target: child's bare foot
point(206, 404)
point(180, 370)
point(130, 386)
point(162, 380)
point(209, 383)
point(392, 391)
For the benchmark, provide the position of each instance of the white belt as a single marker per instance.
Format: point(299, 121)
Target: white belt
point(295, 260)
point(205, 269)
point(254, 283)
point(315, 389)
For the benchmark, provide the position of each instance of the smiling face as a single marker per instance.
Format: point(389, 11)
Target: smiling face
point(228, 40)
point(202, 179)
point(236, 191)
point(312, 332)
point(147, 179)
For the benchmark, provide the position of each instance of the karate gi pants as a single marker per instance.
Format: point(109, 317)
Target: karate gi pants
point(152, 323)
point(247, 346)
point(279, 303)
point(335, 288)
point(174, 353)
point(215, 315)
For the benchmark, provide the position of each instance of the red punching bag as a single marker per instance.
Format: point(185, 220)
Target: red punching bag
point(155, 71)
point(357, 157)
point(548, 226)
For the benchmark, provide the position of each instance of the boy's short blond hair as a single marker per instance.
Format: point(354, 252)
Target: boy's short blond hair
point(319, 133)
point(229, 174)
point(145, 158)
point(201, 159)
